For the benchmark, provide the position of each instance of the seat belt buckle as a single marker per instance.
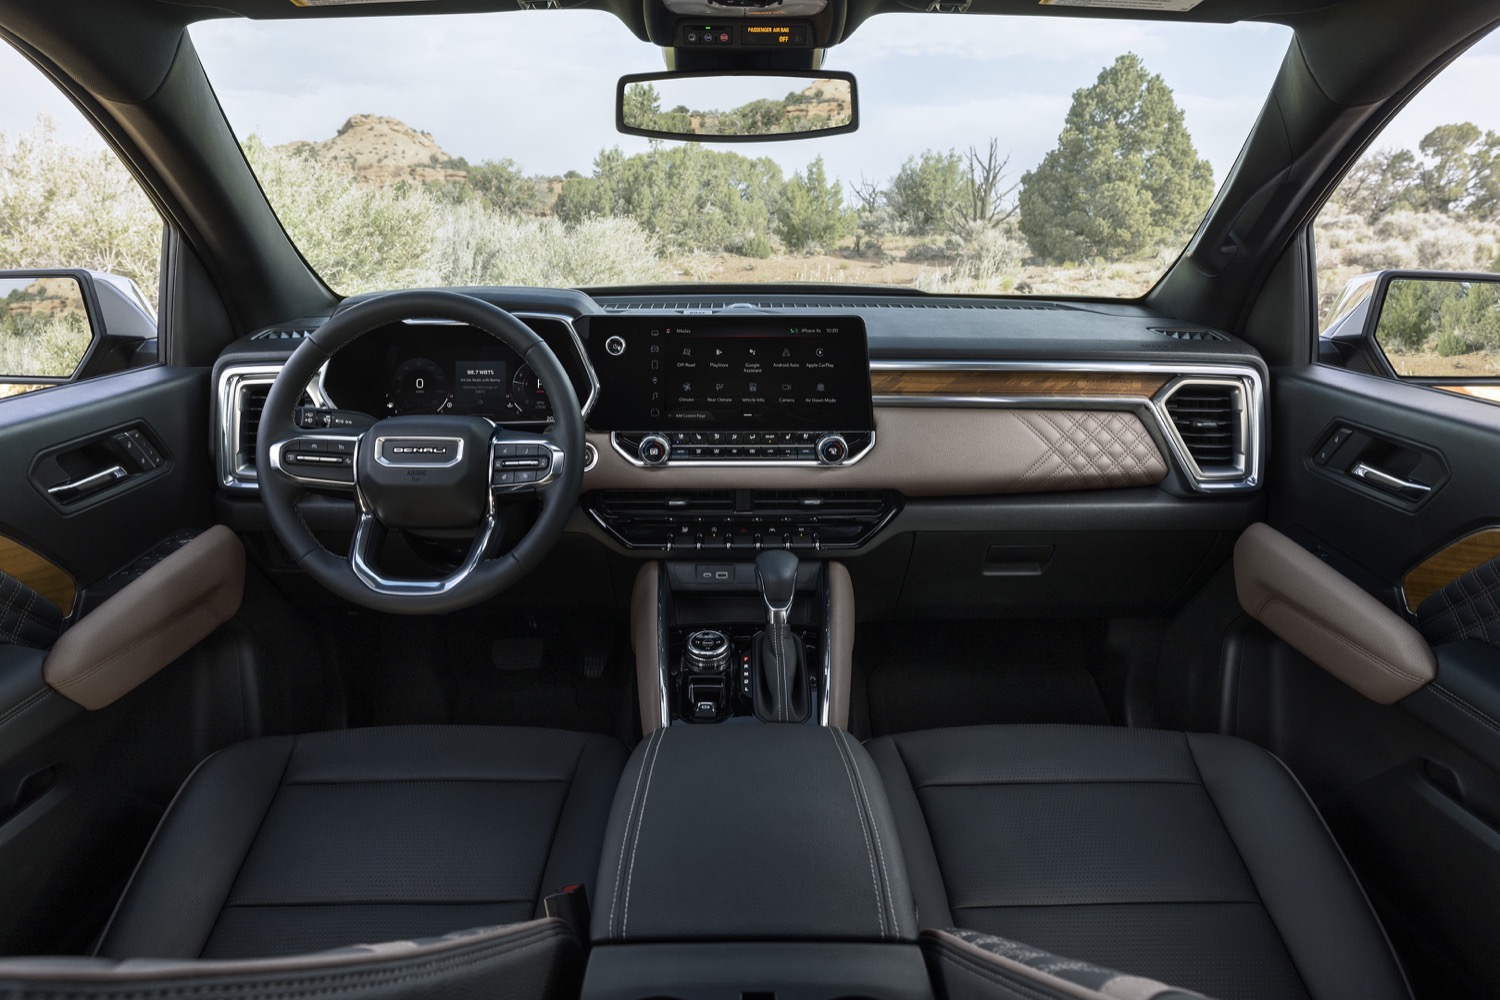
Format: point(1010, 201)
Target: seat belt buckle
point(570, 904)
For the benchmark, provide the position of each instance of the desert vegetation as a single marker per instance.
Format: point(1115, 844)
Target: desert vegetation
point(381, 205)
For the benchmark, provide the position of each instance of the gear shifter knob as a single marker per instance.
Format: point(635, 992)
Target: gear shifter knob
point(776, 572)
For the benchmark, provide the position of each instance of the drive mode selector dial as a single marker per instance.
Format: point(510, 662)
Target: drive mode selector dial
point(654, 449)
point(832, 449)
point(707, 651)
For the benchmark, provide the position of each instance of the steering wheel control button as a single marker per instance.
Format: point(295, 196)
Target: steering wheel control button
point(655, 450)
point(615, 346)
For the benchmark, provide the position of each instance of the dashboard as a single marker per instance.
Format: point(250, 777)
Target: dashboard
point(820, 421)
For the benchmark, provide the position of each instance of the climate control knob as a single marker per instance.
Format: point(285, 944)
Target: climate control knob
point(654, 450)
point(832, 449)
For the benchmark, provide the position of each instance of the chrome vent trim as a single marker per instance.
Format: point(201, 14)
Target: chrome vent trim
point(238, 385)
point(1214, 427)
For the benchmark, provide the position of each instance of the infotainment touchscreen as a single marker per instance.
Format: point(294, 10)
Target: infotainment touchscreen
point(679, 373)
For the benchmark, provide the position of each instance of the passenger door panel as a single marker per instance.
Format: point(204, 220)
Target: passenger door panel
point(1410, 789)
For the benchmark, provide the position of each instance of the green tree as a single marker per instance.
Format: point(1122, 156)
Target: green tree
point(1125, 178)
point(1409, 315)
point(504, 187)
point(690, 197)
point(928, 189)
point(812, 211)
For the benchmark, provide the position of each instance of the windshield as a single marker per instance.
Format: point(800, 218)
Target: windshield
point(995, 155)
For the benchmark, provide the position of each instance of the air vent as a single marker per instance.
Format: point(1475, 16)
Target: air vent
point(240, 405)
point(252, 403)
point(1210, 421)
point(296, 334)
point(1188, 333)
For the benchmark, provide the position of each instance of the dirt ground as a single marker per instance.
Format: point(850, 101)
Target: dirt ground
point(1428, 364)
point(906, 263)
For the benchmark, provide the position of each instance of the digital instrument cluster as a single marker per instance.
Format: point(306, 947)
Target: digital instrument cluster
point(443, 368)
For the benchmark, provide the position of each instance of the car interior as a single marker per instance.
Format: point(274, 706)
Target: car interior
point(1008, 647)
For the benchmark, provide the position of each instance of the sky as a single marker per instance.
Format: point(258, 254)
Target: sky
point(493, 86)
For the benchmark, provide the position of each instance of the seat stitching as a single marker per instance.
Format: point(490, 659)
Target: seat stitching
point(286, 766)
point(268, 904)
point(428, 781)
point(640, 774)
point(1249, 875)
point(1385, 665)
point(635, 845)
point(779, 631)
point(874, 828)
point(864, 832)
point(1466, 708)
point(24, 706)
point(927, 827)
point(1467, 704)
point(1002, 782)
point(557, 823)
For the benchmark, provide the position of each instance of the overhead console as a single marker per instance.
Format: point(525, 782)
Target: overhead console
point(761, 390)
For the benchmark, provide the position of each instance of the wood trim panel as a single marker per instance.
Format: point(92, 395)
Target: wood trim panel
point(37, 572)
point(923, 382)
point(1448, 564)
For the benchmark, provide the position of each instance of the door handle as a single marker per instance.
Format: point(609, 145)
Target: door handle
point(77, 489)
point(1378, 477)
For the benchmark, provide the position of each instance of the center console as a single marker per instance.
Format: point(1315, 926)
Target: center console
point(753, 862)
point(737, 641)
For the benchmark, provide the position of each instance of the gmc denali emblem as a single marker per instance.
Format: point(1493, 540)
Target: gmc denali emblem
point(419, 452)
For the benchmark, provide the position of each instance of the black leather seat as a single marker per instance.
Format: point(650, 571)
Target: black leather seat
point(1193, 859)
point(289, 845)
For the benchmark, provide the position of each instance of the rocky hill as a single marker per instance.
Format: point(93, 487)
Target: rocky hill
point(383, 151)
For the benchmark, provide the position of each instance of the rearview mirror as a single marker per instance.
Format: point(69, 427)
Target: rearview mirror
point(737, 106)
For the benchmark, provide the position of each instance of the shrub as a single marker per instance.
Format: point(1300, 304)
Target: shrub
point(68, 206)
point(474, 246)
point(358, 237)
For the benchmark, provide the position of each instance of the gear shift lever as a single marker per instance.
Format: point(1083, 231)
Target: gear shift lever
point(781, 693)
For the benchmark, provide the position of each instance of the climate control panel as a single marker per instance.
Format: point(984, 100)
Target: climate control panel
point(810, 448)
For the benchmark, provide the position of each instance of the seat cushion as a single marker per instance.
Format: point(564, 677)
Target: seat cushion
point(296, 844)
point(1192, 859)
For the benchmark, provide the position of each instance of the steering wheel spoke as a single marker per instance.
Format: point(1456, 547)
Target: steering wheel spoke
point(323, 461)
point(523, 464)
point(370, 533)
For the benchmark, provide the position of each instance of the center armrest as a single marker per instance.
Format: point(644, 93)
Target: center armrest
point(723, 833)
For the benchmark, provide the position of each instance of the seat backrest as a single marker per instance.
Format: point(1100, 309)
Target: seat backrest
point(538, 960)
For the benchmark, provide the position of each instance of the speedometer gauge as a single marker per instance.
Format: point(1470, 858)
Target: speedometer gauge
point(419, 385)
point(528, 397)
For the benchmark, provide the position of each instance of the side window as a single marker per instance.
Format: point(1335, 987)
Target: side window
point(80, 243)
point(1424, 198)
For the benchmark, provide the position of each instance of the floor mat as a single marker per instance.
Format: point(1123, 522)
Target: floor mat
point(477, 669)
point(933, 674)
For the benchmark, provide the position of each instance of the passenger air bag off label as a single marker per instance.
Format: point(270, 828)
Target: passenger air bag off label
point(1161, 5)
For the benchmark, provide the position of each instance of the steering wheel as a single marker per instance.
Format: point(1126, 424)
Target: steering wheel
point(433, 472)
